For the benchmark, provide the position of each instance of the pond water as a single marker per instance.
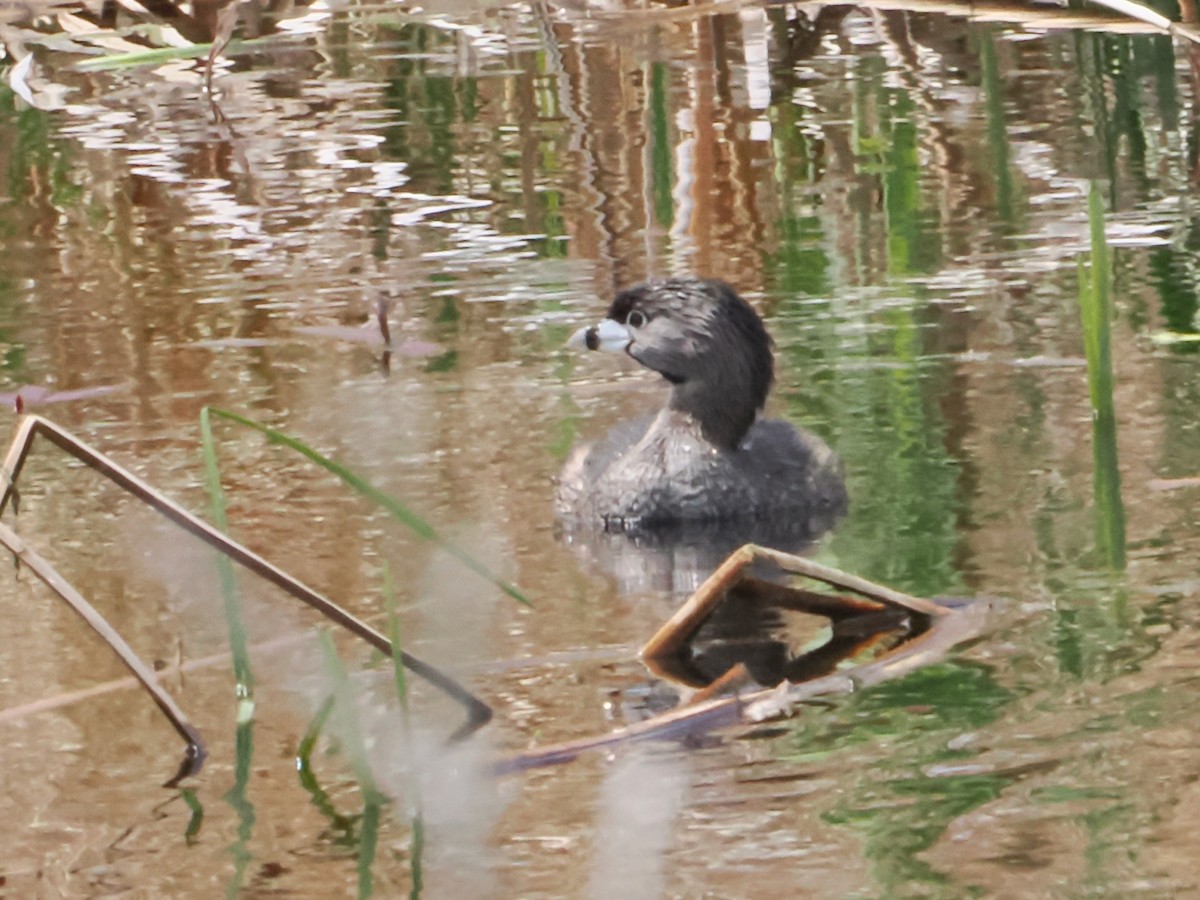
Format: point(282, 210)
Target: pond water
point(903, 196)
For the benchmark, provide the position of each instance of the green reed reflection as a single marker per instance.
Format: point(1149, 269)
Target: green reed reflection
point(36, 160)
point(874, 397)
point(898, 813)
point(431, 107)
point(660, 151)
point(993, 87)
point(1179, 297)
point(196, 819)
point(903, 527)
point(237, 798)
point(1094, 307)
point(886, 137)
point(344, 718)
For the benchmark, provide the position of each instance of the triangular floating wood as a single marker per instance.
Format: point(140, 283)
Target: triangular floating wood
point(938, 628)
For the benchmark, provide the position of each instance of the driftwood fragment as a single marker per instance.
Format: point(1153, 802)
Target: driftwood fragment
point(936, 630)
point(681, 626)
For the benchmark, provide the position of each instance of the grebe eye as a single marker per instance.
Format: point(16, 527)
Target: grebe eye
point(636, 319)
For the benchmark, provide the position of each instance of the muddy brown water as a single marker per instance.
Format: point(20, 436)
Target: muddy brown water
point(904, 197)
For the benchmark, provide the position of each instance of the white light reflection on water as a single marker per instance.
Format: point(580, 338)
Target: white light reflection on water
point(640, 800)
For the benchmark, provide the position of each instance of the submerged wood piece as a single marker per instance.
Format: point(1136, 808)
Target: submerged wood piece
point(731, 682)
point(942, 629)
point(29, 427)
point(676, 724)
point(837, 608)
point(48, 575)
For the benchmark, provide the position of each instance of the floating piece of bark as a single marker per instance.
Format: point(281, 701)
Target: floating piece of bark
point(938, 629)
point(478, 712)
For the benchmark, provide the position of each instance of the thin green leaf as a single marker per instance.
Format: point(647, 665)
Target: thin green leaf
point(342, 827)
point(1167, 338)
point(238, 642)
point(394, 507)
point(414, 786)
point(312, 734)
point(345, 711)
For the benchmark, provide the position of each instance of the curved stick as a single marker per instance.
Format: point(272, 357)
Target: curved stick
point(30, 426)
point(194, 756)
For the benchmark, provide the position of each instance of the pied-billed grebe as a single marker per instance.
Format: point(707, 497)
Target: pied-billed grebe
point(706, 457)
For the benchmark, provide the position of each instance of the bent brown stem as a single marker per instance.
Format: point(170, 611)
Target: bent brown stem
point(46, 573)
point(30, 426)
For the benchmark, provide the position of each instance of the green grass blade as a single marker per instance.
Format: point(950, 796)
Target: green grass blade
point(394, 507)
point(418, 852)
point(151, 57)
point(238, 643)
point(1095, 306)
point(236, 796)
point(346, 717)
point(312, 734)
point(414, 787)
point(399, 674)
point(368, 839)
point(341, 827)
